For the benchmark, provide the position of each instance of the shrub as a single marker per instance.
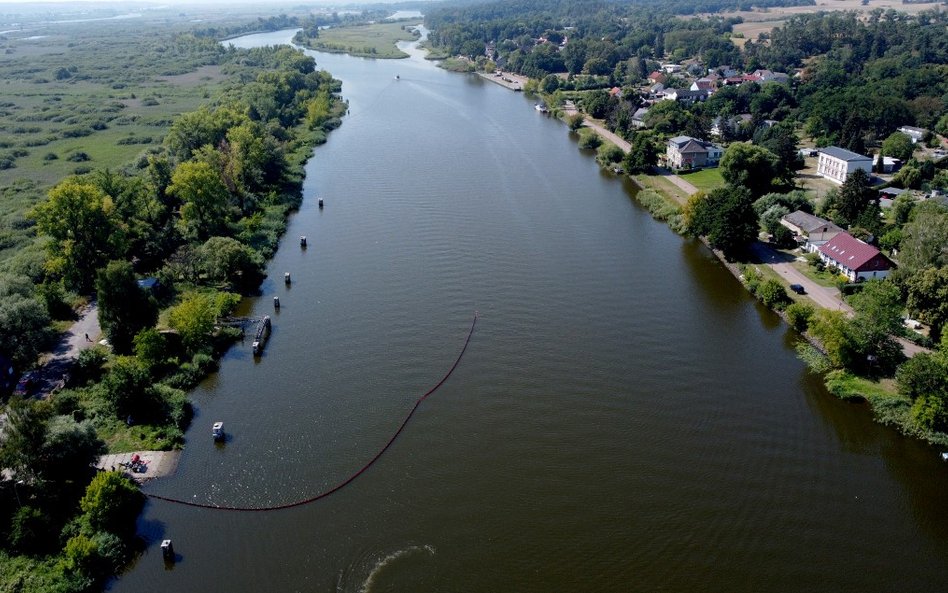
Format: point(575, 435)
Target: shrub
point(798, 315)
point(589, 140)
point(772, 294)
point(50, 156)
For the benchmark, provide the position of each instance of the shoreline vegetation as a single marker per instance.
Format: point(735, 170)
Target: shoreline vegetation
point(860, 347)
point(168, 243)
point(363, 40)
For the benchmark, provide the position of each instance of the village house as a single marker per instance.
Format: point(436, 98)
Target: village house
point(916, 134)
point(638, 118)
point(836, 164)
point(854, 259)
point(811, 231)
point(768, 76)
point(685, 152)
point(685, 96)
point(656, 77)
point(889, 164)
point(703, 84)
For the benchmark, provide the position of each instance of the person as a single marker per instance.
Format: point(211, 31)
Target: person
point(88, 339)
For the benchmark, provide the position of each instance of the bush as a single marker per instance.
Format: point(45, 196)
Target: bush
point(50, 156)
point(799, 315)
point(589, 140)
point(772, 294)
point(609, 154)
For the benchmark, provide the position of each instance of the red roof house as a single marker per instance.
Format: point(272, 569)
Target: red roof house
point(856, 260)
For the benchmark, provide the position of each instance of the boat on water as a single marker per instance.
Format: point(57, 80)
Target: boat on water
point(218, 431)
point(397, 77)
point(541, 108)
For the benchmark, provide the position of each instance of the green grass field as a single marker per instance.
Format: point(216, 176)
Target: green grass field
point(705, 179)
point(376, 40)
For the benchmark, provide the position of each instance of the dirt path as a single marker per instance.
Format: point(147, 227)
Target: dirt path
point(84, 333)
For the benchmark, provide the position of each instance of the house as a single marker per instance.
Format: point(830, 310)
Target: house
point(889, 164)
point(615, 92)
point(638, 118)
point(703, 84)
point(671, 68)
point(768, 76)
point(889, 194)
point(685, 152)
point(656, 89)
point(916, 134)
point(836, 164)
point(811, 230)
point(656, 77)
point(733, 124)
point(856, 260)
point(725, 71)
point(685, 96)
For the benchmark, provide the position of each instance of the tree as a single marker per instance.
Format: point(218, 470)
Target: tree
point(899, 146)
point(575, 121)
point(229, 263)
point(642, 155)
point(151, 348)
point(928, 297)
point(111, 503)
point(124, 308)
point(925, 237)
point(86, 233)
point(726, 216)
point(194, 318)
point(749, 166)
point(24, 325)
point(205, 200)
point(855, 204)
point(549, 84)
point(781, 140)
point(131, 392)
point(24, 435)
point(924, 380)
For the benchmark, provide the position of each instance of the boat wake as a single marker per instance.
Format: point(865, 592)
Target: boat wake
point(376, 566)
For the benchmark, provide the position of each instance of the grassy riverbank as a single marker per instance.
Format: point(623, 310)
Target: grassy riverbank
point(373, 40)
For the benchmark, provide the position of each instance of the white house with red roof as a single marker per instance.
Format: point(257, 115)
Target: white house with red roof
point(856, 260)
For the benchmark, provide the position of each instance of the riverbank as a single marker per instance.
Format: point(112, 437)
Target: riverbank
point(665, 194)
point(508, 80)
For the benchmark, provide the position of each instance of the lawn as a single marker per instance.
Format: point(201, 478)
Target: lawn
point(705, 179)
point(376, 40)
point(663, 186)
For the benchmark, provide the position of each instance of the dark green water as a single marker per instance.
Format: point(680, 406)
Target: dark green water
point(626, 418)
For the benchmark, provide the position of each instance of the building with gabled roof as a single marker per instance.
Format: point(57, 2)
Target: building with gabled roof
point(811, 230)
point(685, 152)
point(855, 259)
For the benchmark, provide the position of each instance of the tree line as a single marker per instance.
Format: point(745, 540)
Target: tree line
point(200, 216)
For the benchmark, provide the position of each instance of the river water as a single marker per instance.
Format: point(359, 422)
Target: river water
point(626, 417)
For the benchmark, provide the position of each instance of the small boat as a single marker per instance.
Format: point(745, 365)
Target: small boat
point(218, 431)
point(302, 240)
point(396, 77)
point(320, 202)
point(541, 108)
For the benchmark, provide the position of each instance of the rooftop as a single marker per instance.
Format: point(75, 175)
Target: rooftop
point(843, 154)
point(849, 251)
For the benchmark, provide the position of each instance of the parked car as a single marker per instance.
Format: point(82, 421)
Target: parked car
point(798, 288)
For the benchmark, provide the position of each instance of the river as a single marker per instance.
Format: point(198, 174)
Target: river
point(626, 417)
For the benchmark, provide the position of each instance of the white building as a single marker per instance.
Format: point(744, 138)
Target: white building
point(916, 134)
point(836, 163)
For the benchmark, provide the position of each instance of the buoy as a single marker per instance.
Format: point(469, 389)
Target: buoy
point(286, 277)
point(167, 550)
point(276, 302)
point(320, 203)
point(302, 240)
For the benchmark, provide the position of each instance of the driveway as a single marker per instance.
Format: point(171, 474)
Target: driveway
point(827, 297)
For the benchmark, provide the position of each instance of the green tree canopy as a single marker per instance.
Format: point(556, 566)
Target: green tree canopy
point(749, 166)
point(205, 209)
point(898, 145)
point(124, 308)
point(112, 502)
point(85, 231)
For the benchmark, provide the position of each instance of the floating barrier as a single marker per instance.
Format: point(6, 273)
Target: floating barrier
point(355, 474)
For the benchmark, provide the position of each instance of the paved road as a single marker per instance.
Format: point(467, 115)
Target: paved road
point(825, 296)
